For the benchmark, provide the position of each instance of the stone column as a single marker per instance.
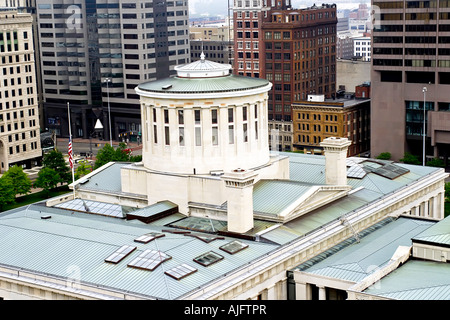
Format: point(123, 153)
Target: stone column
point(302, 291)
point(435, 207)
point(441, 201)
point(271, 292)
point(322, 293)
point(426, 212)
point(282, 285)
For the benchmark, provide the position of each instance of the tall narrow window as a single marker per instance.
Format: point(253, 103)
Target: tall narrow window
point(215, 129)
point(198, 128)
point(245, 131)
point(155, 129)
point(230, 126)
point(256, 122)
point(166, 127)
point(181, 127)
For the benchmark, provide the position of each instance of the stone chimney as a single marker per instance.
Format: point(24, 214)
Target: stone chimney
point(335, 160)
point(239, 195)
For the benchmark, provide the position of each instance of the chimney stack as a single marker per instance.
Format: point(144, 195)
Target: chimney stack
point(335, 160)
point(239, 195)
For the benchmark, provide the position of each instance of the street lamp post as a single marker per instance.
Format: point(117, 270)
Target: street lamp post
point(98, 127)
point(424, 90)
point(108, 80)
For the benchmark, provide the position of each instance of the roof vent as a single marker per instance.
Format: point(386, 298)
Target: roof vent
point(46, 217)
point(166, 87)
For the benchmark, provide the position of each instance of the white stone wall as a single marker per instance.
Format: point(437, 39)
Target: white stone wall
point(191, 156)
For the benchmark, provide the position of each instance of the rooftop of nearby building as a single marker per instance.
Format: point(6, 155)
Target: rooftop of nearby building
point(340, 102)
point(182, 253)
point(353, 261)
point(415, 280)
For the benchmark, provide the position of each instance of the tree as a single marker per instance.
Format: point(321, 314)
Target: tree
point(104, 155)
point(55, 160)
point(384, 156)
point(47, 179)
point(20, 180)
point(120, 154)
point(83, 169)
point(7, 194)
point(410, 159)
point(436, 162)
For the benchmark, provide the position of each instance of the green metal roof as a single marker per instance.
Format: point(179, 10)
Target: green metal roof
point(272, 196)
point(154, 209)
point(203, 85)
point(107, 179)
point(439, 234)
point(353, 261)
point(52, 246)
point(415, 280)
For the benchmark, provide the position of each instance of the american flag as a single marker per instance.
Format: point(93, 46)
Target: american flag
point(70, 153)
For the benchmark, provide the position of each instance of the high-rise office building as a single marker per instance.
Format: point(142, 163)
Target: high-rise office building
point(95, 52)
point(293, 48)
point(411, 65)
point(19, 119)
point(299, 56)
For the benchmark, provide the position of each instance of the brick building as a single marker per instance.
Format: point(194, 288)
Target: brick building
point(317, 120)
point(295, 49)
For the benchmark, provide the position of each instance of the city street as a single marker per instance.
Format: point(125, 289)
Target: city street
point(83, 147)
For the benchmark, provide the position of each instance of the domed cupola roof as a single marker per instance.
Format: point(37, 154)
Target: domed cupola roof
point(203, 69)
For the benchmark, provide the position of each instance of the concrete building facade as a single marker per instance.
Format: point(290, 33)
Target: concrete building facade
point(410, 70)
point(93, 55)
point(362, 47)
point(19, 115)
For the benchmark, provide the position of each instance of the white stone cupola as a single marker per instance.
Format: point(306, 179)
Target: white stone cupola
point(204, 120)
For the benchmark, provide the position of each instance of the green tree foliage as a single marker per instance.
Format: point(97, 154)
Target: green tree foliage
point(20, 180)
point(47, 179)
point(409, 158)
point(436, 162)
point(109, 154)
point(384, 156)
point(83, 169)
point(7, 194)
point(55, 160)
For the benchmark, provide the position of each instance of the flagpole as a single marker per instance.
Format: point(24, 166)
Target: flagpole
point(71, 150)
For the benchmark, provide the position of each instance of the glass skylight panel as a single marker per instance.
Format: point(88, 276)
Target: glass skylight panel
point(181, 271)
point(391, 171)
point(234, 247)
point(208, 258)
point(204, 238)
point(356, 171)
point(149, 260)
point(92, 207)
point(146, 238)
point(120, 254)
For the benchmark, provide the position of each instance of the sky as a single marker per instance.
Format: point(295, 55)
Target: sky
point(220, 7)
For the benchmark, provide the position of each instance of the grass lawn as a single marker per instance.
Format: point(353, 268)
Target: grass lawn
point(35, 197)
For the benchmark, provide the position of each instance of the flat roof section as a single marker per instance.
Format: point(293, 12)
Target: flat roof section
point(353, 261)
